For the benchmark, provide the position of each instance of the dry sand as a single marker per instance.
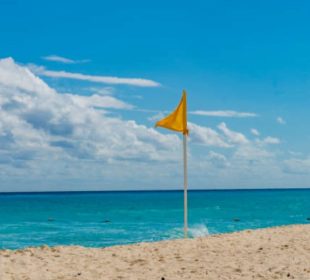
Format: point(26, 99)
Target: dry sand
point(274, 253)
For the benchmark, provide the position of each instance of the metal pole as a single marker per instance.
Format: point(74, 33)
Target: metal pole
point(185, 184)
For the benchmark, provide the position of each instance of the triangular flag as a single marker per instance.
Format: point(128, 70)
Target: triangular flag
point(177, 120)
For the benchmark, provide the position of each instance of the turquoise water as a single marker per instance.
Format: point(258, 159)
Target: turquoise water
point(108, 218)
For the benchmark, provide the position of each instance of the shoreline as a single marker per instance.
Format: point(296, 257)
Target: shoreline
point(270, 253)
point(44, 246)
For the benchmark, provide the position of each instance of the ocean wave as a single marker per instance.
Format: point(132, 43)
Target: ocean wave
point(198, 230)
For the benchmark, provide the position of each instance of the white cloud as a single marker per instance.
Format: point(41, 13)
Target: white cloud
point(102, 90)
point(225, 114)
point(139, 82)
point(255, 132)
point(280, 120)
point(61, 59)
point(252, 152)
point(233, 136)
point(218, 160)
point(271, 140)
point(206, 136)
point(37, 123)
point(297, 166)
point(12, 77)
point(98, 101)
point(65, 141)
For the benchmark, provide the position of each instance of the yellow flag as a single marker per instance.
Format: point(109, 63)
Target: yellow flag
point(177, 120)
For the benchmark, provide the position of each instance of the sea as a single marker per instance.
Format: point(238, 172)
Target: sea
point(100, 219)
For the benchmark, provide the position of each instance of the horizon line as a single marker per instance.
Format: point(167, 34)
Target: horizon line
point(152, 190)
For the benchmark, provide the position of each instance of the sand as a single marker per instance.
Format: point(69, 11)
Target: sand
point(274, 253)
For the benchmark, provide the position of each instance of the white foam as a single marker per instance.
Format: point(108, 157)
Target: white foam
point(198, 230)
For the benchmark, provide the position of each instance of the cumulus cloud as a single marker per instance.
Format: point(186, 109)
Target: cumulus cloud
point(37, 122)
point(57, 139)
point(218, 160)
point(225, 114)
point(61, 59)
point(139, 82)
point(206, 136)
point(252, 153)
point(243, 153)
point(233, 136)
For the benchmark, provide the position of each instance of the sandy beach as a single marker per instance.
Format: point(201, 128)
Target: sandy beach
point(273, 253)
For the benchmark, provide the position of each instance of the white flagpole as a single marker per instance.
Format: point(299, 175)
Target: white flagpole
point(185, 184)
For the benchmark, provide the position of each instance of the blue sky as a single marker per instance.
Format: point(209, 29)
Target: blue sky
point(233, 57)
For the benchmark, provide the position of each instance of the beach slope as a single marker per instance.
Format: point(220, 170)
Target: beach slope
point(273, 253)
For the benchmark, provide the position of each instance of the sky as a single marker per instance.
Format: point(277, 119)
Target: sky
point(82, 84)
